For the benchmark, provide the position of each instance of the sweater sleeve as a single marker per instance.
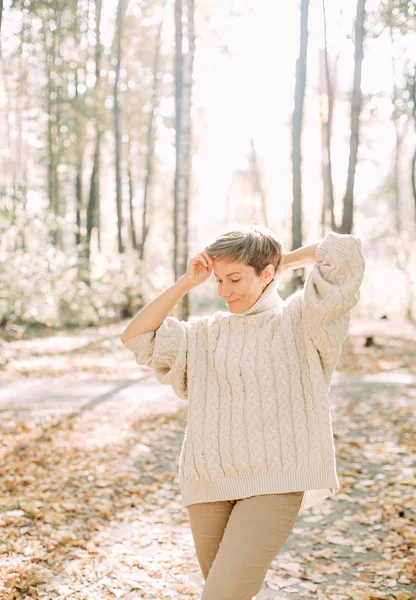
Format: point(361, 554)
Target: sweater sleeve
point(165, 350)
point(331, 290)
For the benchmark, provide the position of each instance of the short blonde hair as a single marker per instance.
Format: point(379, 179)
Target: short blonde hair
point(252, 243)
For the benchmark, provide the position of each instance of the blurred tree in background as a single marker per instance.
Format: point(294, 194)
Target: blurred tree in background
point(136, 131)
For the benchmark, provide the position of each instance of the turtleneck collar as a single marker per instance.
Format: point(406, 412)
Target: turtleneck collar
point(268, 300)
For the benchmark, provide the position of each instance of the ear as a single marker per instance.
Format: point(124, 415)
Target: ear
point(268, 273)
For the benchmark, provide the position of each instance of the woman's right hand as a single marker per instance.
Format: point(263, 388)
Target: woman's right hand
point(200, 267)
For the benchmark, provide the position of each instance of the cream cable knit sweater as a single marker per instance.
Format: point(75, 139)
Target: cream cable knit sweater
point(257, 384)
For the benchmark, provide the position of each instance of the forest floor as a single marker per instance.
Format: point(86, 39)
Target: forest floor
point(89, 504)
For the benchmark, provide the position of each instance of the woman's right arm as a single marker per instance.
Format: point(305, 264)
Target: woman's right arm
point(151, 316)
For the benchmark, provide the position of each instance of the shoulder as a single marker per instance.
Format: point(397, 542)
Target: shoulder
point(209, 321)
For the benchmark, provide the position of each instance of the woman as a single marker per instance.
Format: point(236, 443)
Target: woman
point(258, 445)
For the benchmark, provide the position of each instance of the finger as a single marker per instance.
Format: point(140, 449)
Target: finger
point(208, 257)
point(203, 260)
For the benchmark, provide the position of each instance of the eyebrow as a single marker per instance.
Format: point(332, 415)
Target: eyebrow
point(229, 274)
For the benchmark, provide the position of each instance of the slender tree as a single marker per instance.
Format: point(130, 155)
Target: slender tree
point(117, 131)
point(79, 129)
point(1, 16)
point(297, 121)
point(328, 87)
point(52, 35)
point(132, 223)
point(150, 143)
point(398, 18)
point(93, 206)
point(413, 168)
point(356, 105)
point(184, 58)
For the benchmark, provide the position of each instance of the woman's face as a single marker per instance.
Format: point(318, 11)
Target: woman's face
point(239, 285)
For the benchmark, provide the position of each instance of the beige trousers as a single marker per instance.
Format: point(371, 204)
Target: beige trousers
point(237, 540)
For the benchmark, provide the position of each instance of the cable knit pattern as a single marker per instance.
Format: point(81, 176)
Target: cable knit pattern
point(257, 384)
point(330, 294)
point(165, 350)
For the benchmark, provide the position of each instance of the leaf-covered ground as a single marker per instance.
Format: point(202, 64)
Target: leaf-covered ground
point(89, 504)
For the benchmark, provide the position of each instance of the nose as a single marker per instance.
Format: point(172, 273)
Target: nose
point(225, 295)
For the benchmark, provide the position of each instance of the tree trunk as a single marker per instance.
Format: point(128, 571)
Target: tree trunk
point(398, 144)
point(413, 173)
point(183, 98)
point(78, 189)
point(297, 127)
point(1, 16)
point(413, 169)
point(150, 138)
point(79, 148)
point(60, 198)
point(98, 125)
point(94, 192)
point(356, 104)
point(50, 60)
point(26, 37)
point(93, 195)
point(403, 251)
point(133, 238)
point(297, 119)
point(117, 133)
point(178, 7)
point(327, 126)
point(324, 153)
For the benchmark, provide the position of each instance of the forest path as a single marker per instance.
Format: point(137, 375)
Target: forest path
point(90, 506)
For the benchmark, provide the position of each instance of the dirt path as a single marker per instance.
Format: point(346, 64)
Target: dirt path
point(90, 508)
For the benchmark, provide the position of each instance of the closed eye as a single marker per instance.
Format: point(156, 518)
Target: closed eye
point(232, 280)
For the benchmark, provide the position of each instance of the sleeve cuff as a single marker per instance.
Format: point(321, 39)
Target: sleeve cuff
point(141, 344)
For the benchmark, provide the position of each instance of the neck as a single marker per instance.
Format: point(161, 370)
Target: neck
point(269, 299)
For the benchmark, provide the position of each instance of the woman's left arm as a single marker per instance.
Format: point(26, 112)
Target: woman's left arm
point(301, 257)
point(331, 290)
